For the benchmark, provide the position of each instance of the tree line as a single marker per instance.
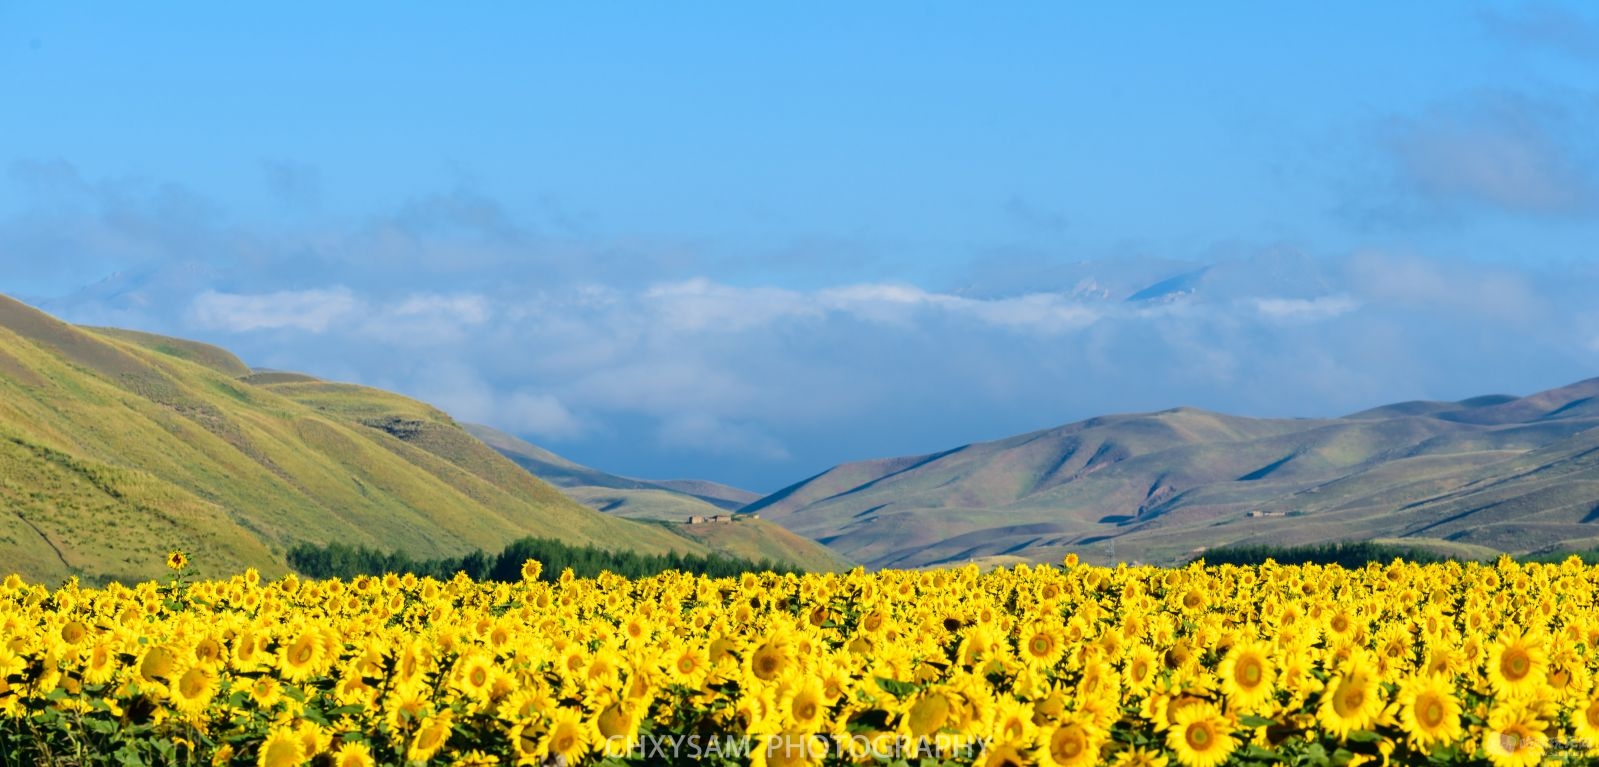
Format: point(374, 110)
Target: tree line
point(1348, 554)
point(338, 560)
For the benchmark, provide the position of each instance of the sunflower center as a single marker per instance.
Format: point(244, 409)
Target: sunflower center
point(1431, 712)
point(805, 710)
point(1249, 672)
point(1199, 736)
point(193, 683)
point(1067, 744)
point(1351, 696)
point(1039, 645)
point(767, 664)
point(479, 677)
point(1515, 664)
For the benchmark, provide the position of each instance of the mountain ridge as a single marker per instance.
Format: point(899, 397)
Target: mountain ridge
point(1165, 483)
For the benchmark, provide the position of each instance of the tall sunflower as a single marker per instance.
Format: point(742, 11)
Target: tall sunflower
point(1515, 737)
point(1431, 713)
point(1070, 744)
point(1246, 675)
point(1199, 736)
point(1352, 700)
point(1517, 664)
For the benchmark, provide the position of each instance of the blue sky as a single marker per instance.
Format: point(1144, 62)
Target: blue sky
point(745, 242)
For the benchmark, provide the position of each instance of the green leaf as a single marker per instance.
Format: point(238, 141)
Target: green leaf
point(896, 688)
point(1256, 751)
point(1364, 736)
point(1250, 720)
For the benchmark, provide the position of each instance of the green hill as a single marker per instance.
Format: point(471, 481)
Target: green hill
point(117, 446)
point(1512, 474)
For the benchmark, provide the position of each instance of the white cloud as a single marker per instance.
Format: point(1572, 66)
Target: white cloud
point(1304, 309)
point(701, 305)
point(313, 311)
point(538, 414)
point(1412, 281)
point(463, 308)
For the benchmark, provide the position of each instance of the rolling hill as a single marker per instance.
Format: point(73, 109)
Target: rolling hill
point(668, 501)
point(117, 446)
point(1514, 474)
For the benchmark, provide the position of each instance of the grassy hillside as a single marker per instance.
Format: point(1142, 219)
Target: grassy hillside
point(1504, 473)
point(669, 503)
point(116, 447)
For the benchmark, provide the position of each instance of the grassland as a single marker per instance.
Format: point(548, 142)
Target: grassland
point(116, 447)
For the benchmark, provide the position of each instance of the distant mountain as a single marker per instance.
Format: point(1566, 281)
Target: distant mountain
point(1511, 473)
point(668, 501)
point(673, 499)
point(117, 446)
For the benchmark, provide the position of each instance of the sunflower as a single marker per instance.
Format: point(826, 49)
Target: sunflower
point(313, 738)
point(177, 560)
point(299, 658)
point(1352, 700)
point(1246, 675)
point(1585, 720)
point(616, 728)
point(191, 692)
point(265, 691)
point(769, 661)
point(1515, 737)
point(527, 743)
point(1199, 736)
point(927, 715)
point(353, 753)
point(531, 570)
point(158, 663)
point(74, 632)
point(566, 737)
point(803, 706)
point(1139, 757)
point(1138, 669)
point(1004, 756)
point(1431, 713)
point(474, 677)
point(1070, 744)
point(1517, 664)
point(430, 737)
point(687, 665)
point(281, 749)
point(1040, 646)
point(99, 668)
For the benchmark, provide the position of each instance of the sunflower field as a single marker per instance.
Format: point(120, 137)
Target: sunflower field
point(1050, 665)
